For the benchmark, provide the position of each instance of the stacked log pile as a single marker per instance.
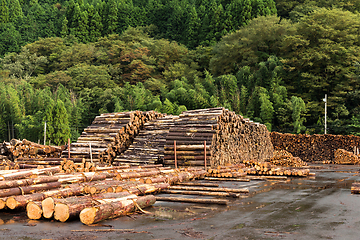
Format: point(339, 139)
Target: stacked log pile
point(148, 146)
point(342, 156)
point(109, 135)
point(355, 188)
point(266, 168)
point(311, 148)
point(286, 159)
point(48, 193)
point(28, 149)
point(229, 139)
point(233, 171)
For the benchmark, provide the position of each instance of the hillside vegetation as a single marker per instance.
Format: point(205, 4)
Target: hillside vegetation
point(66, 62)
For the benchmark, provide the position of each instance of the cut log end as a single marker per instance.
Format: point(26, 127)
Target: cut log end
point(12, 203)
point(88, 215)
point(48, 206)
point(34, 210)
point(2, 203)
point(61, 212)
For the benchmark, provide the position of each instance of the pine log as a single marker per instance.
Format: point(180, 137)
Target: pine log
point(193, 200)
point(28, 189)
point(112, 209)
point(21, 201)
point(28, 181)
point(227, 179)
point(202, 193)
point(234, 190)
point(48, 204)
point(198, 184)
point(34, 210)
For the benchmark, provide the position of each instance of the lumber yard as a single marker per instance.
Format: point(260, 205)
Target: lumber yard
point(123, 163)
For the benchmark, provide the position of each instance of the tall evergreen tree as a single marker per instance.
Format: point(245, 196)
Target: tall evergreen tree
point(111, 18)
point(4, 12)
point(95, 24)
point(15, 11)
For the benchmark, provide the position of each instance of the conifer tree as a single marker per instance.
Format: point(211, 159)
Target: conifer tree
point(4, 12)
point(15, 11)
point(95, 24)
point(60, 124)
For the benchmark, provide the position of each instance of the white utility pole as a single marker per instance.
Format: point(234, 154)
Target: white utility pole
point(45, 133)
point(325, 100)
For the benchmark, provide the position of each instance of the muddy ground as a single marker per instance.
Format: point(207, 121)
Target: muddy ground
point(298, 208)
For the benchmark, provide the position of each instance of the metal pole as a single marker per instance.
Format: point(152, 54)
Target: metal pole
point(325, 110)
point(45, 133)
point(175, 154)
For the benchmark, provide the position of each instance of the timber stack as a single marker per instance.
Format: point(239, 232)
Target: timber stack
point(342, 156)
point(266, 168)
point(148, 145)
point(355, 188)
point(25, 148)
point(51, 194)
point(217, 135)
point(312, 148)
point(109, 135)
point(286, 159)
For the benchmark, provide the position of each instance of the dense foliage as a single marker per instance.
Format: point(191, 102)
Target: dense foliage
point(170, 56)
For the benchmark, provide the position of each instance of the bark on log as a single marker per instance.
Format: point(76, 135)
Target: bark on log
point(193, 200)
point(234, 190)
point(112, 209)
point(203, 193)
point(28, 189)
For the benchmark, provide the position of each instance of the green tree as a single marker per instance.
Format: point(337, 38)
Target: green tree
point(60, 124)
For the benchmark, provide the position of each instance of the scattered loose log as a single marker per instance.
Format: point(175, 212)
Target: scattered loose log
point(198, 184)
point(234, 190)
point(193, 200)
point(203, 193)
point(227, 179)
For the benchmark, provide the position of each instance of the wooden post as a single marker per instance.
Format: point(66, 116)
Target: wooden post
point(205, 154)
point(68, 147)
point(175, 154)
point(90, 153)
point(45, 133)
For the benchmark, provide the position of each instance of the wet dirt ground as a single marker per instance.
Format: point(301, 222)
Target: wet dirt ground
point(298, 208)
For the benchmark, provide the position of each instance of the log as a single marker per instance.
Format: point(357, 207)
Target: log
point(227, 179)
point(112, 209)
point(193, 200)
point(48, 204)
point(34, 210)
point(198, 184)
point(234, 190)
point(28, 181)
point(28, 189)
point(21, 201)
point(203, 193)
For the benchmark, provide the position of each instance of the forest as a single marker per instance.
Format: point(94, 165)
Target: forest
point(273, 61)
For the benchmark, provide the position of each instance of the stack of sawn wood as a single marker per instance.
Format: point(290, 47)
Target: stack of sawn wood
point(148, 145)
point(311, 148)
point(230, 139)
point(47, 193)
point(109, 135)
point(355, 188)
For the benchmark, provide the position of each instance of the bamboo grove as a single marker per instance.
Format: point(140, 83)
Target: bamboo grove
point(272, 69)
